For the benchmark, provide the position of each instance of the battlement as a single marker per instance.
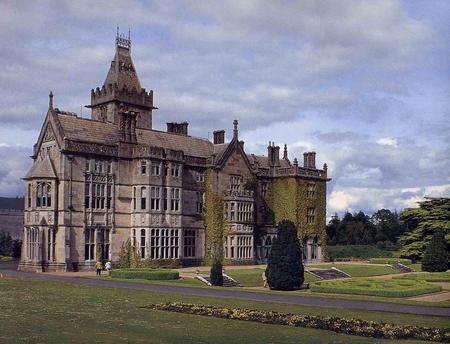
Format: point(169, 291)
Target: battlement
point(113, 92)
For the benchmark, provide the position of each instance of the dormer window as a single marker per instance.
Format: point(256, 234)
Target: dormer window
point(43, 194)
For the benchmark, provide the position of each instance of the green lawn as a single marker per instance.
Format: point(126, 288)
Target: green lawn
point(51, 312)
point(253, 277)
point(356, 270)
point(385, 288)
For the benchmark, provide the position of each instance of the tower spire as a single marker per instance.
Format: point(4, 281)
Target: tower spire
point(285, 152)
point(50, 100)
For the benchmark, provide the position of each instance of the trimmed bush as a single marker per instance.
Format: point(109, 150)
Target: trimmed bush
point(427, 276)
point(154, 274)
point(435, 257)
point(356, 327)
point(385, 288)
point(216, 274)
point(390, 260)
point(349, 252)
point(285, 267)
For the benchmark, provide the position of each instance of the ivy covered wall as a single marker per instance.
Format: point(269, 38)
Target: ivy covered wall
point(215, 223)
point(287, 200)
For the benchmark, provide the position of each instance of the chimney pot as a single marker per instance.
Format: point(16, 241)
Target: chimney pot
point(219, 137)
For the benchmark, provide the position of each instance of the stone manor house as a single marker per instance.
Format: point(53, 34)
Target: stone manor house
point(96, 183)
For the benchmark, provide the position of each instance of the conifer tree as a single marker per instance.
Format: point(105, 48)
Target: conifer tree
point(285, 267)
point(435, 257)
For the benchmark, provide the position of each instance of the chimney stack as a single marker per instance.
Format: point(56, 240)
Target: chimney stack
point(273, 154)
point(219, 137)
point(309, 160)
point(178, 128)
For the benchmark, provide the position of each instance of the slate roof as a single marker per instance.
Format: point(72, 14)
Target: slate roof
point(88, 130)
point(263, 161)
point(122, 71)
point(42, 169)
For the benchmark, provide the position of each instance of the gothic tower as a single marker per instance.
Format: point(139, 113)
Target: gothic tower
point(122, 89)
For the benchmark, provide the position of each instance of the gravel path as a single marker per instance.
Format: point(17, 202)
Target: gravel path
point(236, 294)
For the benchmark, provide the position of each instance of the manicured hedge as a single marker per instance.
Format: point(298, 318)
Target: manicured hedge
point(390, 260)
point(349, 252)
point(427, 276)
point(149, 274)
point(356, 327)
point(385, 288)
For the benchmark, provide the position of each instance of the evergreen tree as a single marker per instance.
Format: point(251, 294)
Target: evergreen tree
point(285, 268)
point(435, 257)
point(216, 274)
point(421, 223)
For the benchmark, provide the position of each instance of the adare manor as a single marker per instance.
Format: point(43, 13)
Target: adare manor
point(96, 183)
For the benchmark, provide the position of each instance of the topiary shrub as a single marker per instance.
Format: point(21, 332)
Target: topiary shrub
point(285, 268)
point(435, 257)
point(216, 274)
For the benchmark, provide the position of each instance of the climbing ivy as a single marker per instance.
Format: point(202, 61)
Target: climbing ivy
point(215, 223)
point(287, 200)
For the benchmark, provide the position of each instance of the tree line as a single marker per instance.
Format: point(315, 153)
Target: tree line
point(409, 232)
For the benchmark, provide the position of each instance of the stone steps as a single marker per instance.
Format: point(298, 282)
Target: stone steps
point(328, 274)
point(227, 281)
point(402, 268)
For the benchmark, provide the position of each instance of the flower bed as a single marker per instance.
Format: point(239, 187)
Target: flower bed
point(340, 325)
point(386, 288)
point(149, 274)
point(390, 260)
point(427, 276)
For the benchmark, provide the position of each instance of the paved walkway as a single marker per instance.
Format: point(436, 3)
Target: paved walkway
point(237, 294)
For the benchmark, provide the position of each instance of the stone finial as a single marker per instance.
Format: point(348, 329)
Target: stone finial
point(285, 152)
point(50, 100)
point(295, 162)
point(235, 129)
point(325, 167)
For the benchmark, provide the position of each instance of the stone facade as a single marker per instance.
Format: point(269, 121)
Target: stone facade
point(96, 183)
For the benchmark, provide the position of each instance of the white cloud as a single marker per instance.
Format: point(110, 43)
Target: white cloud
point(387, 141)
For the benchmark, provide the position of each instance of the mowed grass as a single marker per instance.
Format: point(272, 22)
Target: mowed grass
point(356, 270)
point(52, 312)
point(385, 288)
point(253, 277)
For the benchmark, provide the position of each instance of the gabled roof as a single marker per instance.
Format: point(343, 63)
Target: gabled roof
point(42, 169)
point(225, 151)
point(88, 130)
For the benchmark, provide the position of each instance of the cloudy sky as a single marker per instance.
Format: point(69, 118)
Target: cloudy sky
point(363, 83)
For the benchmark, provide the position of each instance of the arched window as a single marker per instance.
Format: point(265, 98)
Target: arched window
point(29, 196)
point(33, 244)
point(315, 248)
point(143, 198)
point(142, 243)
point(43, 194)
point(305, 249)
point(51, 241)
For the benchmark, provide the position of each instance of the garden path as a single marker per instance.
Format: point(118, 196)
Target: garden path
point(237, 294)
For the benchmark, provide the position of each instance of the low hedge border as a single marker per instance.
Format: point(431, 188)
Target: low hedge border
point(356, 327)
point(155, 274)
point(389, 260)
point(372, 292)
point(427, 276)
